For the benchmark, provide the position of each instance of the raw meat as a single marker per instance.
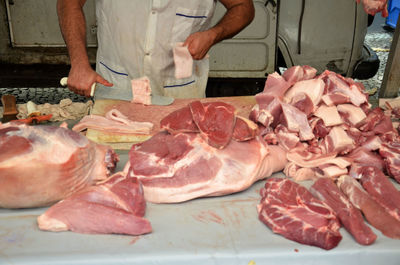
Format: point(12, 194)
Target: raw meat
point(390, 152)
point(215, 121)
point(183, 61)
point(40, 165)
point(181, 167)
point(291, 210)
point(114, 122)
point(375, 214)
point(114, 206)
point(351, 218)
point(244, 129)
point(180, 120)
point(373, 7)
point(141, 90)
point(381, 189)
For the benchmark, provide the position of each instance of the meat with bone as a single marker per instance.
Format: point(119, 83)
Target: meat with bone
point(181, 167)
point(351, 218)
point(291, 210)
point(375, 214)
point(114, 206)
point(40, 165)
point(381, 189)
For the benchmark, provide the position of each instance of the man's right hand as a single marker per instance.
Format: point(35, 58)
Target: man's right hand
point(81, 79)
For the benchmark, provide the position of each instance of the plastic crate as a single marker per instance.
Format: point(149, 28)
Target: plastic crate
point(394, 11)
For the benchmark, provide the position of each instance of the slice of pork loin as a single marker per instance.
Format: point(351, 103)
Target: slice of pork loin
point(291, 210)
point(181, 167)
point(40, 165)
point(115, 206)
point(351, 217)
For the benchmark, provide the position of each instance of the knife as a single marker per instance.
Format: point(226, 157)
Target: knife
point(120, 94)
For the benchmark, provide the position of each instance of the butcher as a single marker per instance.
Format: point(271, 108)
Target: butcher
point(136, 39)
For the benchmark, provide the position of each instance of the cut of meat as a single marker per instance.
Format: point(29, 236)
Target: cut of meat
point(141, 90)
point(351, 218)
point(56, 162)
point(181, 167)
point(114, 122)
point(215, 121)
point(180, 120)
point(313, 88)
point(390, 151)
point(296, 121)
point(375, 214)
point(291, 210)
point(381, 189)
point(372, 7)
point(114, 206)
point(183, 61)
point(244, 129)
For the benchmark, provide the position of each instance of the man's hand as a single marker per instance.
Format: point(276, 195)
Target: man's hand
point(81, 79)
point(239, 14)
point(199, 43)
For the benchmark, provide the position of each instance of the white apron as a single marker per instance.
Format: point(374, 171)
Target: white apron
point(136, 38)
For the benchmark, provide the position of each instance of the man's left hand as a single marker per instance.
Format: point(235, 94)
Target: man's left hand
point(199, 43)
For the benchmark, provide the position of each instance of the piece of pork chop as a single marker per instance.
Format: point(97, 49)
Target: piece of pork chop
point(291, 210)
point(40, 165)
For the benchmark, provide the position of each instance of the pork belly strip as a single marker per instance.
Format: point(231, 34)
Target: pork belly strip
point(115, 122)
point(115, 206)
point(291, 210)
point(351, 218)
point(381, 189)
point(375, 214)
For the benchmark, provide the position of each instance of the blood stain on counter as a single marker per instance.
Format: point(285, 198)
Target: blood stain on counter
point(209, 216)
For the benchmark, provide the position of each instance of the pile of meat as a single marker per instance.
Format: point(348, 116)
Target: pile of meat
point(203, 149)
point(40, 165)
point(334, 138)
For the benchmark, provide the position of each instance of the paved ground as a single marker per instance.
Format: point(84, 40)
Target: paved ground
point(378, 37)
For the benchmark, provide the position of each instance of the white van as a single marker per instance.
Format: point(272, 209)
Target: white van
point(324, 34)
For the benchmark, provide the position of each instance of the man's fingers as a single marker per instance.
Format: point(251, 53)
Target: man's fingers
point(101, 80)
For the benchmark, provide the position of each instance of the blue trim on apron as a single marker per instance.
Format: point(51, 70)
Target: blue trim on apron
point(183, 15)
point(115, 72)
point(188, 83)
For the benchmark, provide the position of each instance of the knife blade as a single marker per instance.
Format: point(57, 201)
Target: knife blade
point(104, 92)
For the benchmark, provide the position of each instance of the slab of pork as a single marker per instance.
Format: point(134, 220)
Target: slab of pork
point(40, 165)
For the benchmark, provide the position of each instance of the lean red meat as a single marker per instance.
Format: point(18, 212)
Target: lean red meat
point(375, 214)
point(185, 165)
point(291, 210)
point(114, 206)
point(351, 218)
point(40, 165)
point(381, 189)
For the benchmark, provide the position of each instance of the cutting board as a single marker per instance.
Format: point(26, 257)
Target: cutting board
point(154, 114)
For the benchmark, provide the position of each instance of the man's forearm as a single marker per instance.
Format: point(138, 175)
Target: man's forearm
point(239, 14)
point(73, 28)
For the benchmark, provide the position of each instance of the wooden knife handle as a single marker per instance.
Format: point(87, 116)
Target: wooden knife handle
point(9, 105)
